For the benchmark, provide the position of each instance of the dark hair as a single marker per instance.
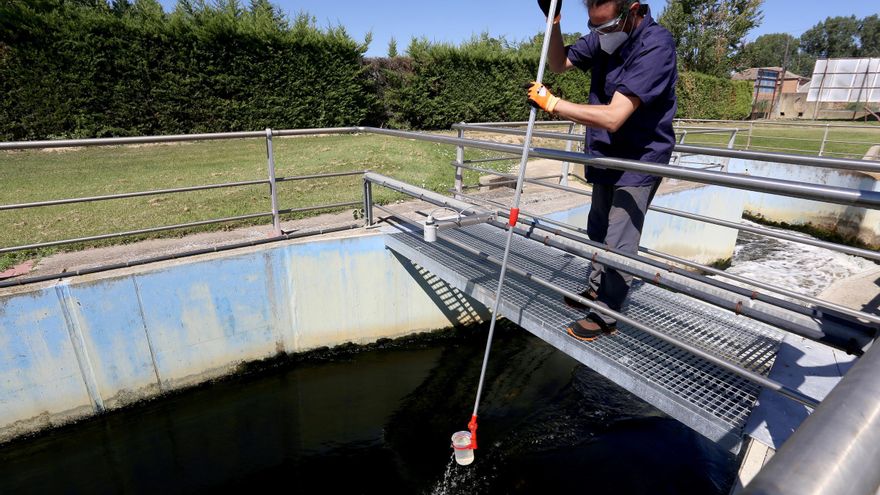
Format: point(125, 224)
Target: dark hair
point(621, 4)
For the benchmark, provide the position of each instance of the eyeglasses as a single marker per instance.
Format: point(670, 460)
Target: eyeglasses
point(608, 27)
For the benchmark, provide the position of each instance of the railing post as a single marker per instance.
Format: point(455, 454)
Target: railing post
point(273, 189)
point(368, 202)
point(749, 140)
point(732, 142)
point(565, 165)
point(459, 159)
point(676, 156)
point(824, 139)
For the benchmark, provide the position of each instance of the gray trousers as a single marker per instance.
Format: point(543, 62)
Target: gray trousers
point(617, 215)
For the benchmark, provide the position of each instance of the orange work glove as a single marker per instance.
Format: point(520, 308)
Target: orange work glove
point(541, 97)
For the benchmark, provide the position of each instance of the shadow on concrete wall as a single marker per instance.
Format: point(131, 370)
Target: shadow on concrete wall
point(458, 308)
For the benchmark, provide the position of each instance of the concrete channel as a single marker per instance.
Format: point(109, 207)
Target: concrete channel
point(80, 346)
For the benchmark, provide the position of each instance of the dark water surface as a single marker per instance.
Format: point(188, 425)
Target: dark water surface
point(378, 420)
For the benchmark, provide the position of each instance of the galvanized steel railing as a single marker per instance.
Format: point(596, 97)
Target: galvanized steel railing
point(748, 128)
point(817, 192)
point(440, 200)
point(790, 188)
point(826, 139)
point(272, 181)
point(817, 304)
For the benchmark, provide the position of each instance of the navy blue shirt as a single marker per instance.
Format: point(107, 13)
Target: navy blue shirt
point(645, 67)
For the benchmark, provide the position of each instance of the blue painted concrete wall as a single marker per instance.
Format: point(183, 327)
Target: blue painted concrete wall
point(80, 346)
point(77, 347)
point(690, 239)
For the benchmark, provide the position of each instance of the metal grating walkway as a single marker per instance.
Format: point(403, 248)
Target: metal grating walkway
point(712, 401)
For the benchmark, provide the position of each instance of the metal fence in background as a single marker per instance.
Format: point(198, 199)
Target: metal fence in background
point(822, 139)
point(817, 139)
point(274, 210)
point(719, 177)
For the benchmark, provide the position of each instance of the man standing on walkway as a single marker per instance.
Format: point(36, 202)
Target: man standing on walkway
point(632, 103)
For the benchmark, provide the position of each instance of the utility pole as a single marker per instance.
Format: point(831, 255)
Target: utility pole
point(774, 107)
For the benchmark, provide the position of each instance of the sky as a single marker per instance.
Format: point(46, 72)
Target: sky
point(457, 20)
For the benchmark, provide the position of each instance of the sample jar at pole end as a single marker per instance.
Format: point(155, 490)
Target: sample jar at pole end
point(461, 442)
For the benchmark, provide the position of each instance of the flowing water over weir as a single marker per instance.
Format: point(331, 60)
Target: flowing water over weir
point(806, 269)
point(378, 418)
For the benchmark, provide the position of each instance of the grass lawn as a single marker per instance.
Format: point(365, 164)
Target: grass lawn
point(843, 143)
point(38, 175)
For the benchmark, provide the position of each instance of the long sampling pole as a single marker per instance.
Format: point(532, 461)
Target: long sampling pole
point(514, 213)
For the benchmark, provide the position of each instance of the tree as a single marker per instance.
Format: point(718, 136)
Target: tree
point(266, 18)
point(835, 37)
point(709, 34)
point(392, 48)
point(869, 36)
point(768, 50)
point(532, 47)
point(776, 50)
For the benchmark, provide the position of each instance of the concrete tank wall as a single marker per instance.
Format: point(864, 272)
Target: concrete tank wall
point(78, 347)
point(697, 241)
point(860, 222)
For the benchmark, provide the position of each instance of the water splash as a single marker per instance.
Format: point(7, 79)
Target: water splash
point(799, 267)
point(455, 479)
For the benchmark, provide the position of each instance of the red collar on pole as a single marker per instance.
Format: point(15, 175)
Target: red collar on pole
point(472, 426)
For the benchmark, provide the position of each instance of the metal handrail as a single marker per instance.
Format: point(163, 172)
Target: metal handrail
point(320, 207)
point(837, 141)
point(132, 232)
point(55, 202)
point(320, 176)
point(781, 124)
point(838, 163)
point(272, 180)
point(273, 214)
point(828, 194)
point(172, 138)
point(486, 160)
point(685, 121)
point(533, 180)
point(786, 138)
point(720, 130)
point(751, 294)
point(864, 253)
point(685, 125)
point(840, 195)
point(733, 368)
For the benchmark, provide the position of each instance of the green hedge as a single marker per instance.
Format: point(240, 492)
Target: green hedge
point(444, 85)
point(80, 68)
point(706, 97)
point(84, 71)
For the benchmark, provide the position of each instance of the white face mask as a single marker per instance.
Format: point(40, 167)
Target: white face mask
point(611, 42)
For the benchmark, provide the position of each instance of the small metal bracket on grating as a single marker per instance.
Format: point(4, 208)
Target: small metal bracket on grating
point(712, 401)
